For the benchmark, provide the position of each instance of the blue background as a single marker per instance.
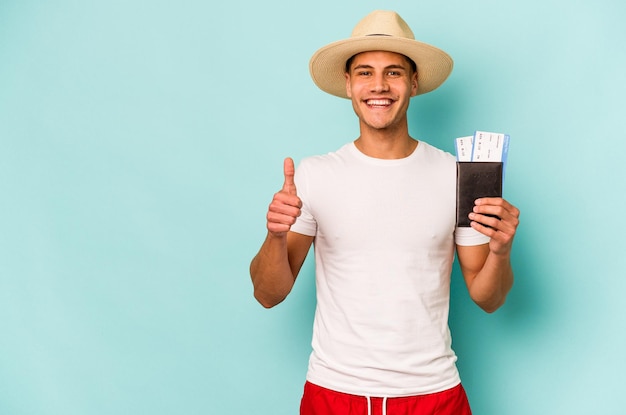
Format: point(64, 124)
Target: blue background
point(141, 142)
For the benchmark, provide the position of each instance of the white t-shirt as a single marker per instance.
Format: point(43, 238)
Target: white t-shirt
point(384, 247)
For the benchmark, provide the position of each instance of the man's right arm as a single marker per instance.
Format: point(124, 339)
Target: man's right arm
point(275, 268)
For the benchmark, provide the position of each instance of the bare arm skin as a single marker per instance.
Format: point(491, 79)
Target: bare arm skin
point(487, 268)
point(275, 267)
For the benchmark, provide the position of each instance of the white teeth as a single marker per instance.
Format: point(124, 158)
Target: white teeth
point(379, 102)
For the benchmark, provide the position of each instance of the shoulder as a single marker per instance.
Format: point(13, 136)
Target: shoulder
point(436, 161)
point(436, 154)
point(326, 160)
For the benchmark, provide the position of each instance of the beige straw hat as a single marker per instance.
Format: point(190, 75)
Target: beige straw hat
point(379, 30)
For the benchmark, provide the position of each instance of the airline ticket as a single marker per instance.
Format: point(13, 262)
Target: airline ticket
point(483, 146)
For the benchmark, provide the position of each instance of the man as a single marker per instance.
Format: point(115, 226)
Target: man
point(381, 212)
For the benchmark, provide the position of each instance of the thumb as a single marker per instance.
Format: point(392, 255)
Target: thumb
point(289, 186)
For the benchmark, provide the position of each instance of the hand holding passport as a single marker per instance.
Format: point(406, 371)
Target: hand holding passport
point(481, 161)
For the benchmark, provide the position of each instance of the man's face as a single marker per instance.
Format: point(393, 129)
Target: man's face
point(380, 85)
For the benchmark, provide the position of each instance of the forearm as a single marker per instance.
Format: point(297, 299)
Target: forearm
point(492, 283)
point(487, 268)
point(271, 272)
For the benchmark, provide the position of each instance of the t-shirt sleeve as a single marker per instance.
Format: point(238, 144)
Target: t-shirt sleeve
point(306, 223)
point(469, 237)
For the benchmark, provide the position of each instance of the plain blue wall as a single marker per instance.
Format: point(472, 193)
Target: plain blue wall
point(141, 141)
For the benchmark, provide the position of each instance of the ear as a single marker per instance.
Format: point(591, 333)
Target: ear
point(348, 87)
point(414, 85)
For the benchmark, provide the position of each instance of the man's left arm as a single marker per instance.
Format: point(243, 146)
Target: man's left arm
point(487, 268)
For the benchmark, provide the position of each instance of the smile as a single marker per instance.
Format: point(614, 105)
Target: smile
point(378, 102)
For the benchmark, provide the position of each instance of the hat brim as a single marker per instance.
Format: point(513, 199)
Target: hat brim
point(327, 65)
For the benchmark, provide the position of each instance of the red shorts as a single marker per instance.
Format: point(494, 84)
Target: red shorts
point(321, 401)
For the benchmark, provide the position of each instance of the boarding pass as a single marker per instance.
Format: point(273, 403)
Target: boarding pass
point(483, 146)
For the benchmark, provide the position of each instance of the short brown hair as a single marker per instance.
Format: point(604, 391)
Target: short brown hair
point(409, 60)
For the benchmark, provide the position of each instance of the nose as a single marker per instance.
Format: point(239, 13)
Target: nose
point(379, 83)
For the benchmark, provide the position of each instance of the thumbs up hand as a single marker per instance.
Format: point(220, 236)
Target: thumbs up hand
point(285, 206)
point(289, 170)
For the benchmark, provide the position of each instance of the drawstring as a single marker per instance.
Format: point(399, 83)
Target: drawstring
point(369, 405)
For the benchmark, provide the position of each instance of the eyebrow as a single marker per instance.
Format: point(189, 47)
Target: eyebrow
point(366, 66)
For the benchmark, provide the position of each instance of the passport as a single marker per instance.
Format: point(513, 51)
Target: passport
point(474, 180)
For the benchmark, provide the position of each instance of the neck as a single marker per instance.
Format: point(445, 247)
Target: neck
point(385, 144)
